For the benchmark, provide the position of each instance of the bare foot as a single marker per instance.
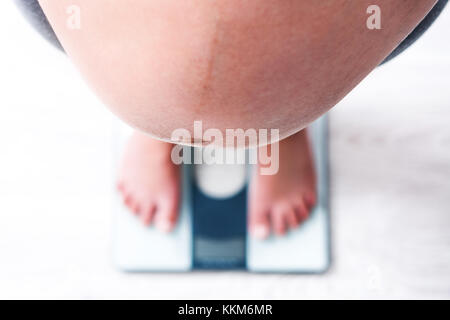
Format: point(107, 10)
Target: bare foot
point(284, 200)
point(149, 181)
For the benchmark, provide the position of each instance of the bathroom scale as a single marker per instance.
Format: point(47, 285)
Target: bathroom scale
point(211, 233)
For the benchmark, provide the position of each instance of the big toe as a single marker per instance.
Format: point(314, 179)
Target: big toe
point(167, 214)
point(259, 224)
point(148, 213)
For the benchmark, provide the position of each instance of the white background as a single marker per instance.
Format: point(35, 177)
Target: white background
point(390, 153)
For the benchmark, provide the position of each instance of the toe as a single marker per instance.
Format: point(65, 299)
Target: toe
point(310, 199)
point(278, 216)
point(148, 214)
point(292, 218)
point(301, 211)
point(259, 224)
point(167, 215)
point(128, 201)
point(135, 208)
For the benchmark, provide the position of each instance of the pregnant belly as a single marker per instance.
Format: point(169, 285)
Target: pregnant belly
point(161, 65)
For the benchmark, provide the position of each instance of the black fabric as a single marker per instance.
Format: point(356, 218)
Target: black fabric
point(34, 14)
point(419, 30)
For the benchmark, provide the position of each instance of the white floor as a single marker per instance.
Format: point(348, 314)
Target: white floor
point(390, 153)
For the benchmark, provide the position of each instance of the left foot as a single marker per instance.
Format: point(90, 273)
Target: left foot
point(284, 200)
point(149, 181)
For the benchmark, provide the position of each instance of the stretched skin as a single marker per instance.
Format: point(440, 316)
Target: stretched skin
point(161, 64)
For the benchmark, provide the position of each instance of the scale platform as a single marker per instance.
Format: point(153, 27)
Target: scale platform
point(211, 233)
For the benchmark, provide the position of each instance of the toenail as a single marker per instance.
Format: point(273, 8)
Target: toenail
point(311, 199)
point(260, 232)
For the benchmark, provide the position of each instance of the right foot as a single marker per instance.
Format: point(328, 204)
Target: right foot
point(284, 200)
point(149, 181)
